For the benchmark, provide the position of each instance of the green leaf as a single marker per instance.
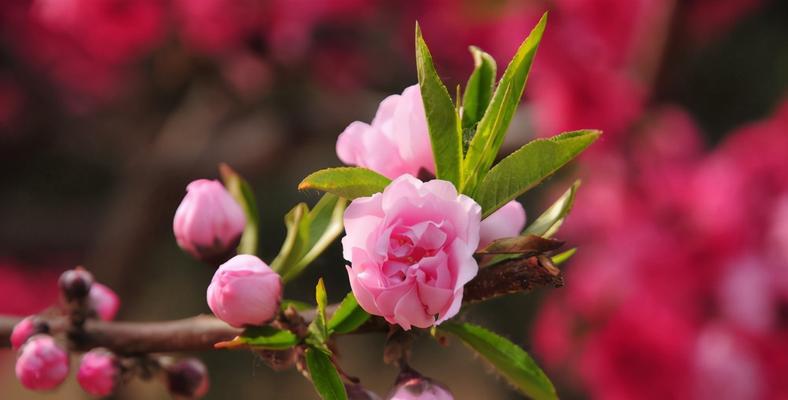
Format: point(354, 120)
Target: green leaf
point(262, 337)
point(561, 258)
point(297, 233)
point(348, 316)
point(528, 166)
point(444, 127)
point(321, 297)
point(322, 224)
point(547, 224)
point(325, 376)
point(347, 182)
point(242, 192)
point(318, 330)
point(510, 360)
point(495, 122)
point(479, 88)
point(309, 233)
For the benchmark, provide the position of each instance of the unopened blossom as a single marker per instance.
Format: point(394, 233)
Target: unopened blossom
point(104, 301)
point(22, 331)
point(411, 249)
point(42, 364)
point(208, 223)
point(245, 291)
point(187, 378)
point(75, 284)
point(99, 372)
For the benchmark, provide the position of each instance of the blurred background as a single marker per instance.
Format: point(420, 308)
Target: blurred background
point(108, 108)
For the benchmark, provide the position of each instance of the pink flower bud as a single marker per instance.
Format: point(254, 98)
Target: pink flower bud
point(42, 364)
point(22, 331)
point(104, 301)
point(187, 378)
point(98, 372)
point(75, 284)
point(412, 386)
point(209, 222)
point(245, 291)
point(411, 249)
point(507, 221)
point(397, 141)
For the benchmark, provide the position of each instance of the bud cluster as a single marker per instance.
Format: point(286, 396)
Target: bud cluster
point(43, 356)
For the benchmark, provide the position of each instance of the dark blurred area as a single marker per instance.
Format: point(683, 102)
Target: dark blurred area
point(108, 108)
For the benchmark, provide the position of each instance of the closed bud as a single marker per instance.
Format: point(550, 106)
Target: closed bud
point(245, 291)
point(208, 223)
point(42, 364)
point(26, 328)
point(411, 385)
point(75, 284)
point(187, 378)
point(99, 372)
point(103, 301)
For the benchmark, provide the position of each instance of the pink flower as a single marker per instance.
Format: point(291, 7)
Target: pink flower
point(42, 364)
point(104, 301)
point(411, 250)
point(412, 386)
point(507, 221)
point(98, 372)
point(401, 124)
point(22, 331)
point(245, 291)
point(208, 223)
point(396, 143)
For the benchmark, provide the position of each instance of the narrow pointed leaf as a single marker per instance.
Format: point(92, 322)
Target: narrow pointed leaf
point(529, 166)
point(261, 337)
point(322, 225)
point(495, 122)
point(318, 330)
point(479, 88)
point(346, 182)
point(442, 122)
point(292, 247)
point(510, 360)
point(348, 316)
point(325, 376)
point(242, 192)
point(547, 224)
point(561, 258)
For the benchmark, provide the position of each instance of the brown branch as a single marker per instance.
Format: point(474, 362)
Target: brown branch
point(203, 331)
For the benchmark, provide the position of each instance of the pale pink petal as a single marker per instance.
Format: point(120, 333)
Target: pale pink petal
point(507, 221)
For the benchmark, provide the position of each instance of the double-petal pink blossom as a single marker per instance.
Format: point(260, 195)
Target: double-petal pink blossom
point(397, 142)
point(411, 249)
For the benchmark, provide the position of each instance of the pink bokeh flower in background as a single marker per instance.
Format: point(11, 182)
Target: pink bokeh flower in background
point(683, 270)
